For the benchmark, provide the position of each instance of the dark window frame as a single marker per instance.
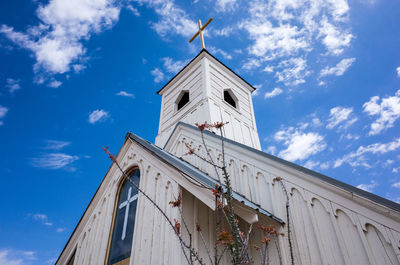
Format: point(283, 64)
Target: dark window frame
point(182, 100)
point(230, 98)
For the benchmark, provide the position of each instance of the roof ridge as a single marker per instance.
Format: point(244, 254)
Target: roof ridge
point(196, 173)
point(350, 188)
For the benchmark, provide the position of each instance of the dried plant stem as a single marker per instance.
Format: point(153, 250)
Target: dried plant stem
point(288, 220)
point(267, 253)
point(210, 157)
point(205, 160)
point(278, 250)
point(222, 254)
point(206, 246)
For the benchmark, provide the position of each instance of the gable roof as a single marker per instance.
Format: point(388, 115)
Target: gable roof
point(196, 173)
point(370, 196)
point(212, 56)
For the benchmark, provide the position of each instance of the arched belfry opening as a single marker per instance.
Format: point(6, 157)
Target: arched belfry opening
point(230, 98)
point(182, 99)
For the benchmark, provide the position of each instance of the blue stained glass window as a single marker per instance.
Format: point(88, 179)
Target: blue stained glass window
point(124, 221)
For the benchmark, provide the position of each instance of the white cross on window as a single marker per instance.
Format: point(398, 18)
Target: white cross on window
point(126, 203)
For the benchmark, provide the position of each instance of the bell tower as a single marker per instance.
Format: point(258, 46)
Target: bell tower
point(207, 90)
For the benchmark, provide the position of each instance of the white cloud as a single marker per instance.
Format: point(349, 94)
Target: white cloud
point(78, 67)
point(16, 257)
point(275, 92)
point(388, 111)
point(225, 5)
point(5, 259)
point(54, 83)
point(300, 145)
point(134, 10)
point(56, 145)
point(368, 187)
point(339, 69)
point(54, 161)
point(269, 69)
point(325, 165)
point(60, 229)
point(13, 85)
point(173, 66)
point(224, 54)
point(350, 136)
point(396, 185)
point(225, 32)
point(98, 115)
point(340, 116)
point(56, 41)
point(3, 112)
point(51, 261)
point(271, 150)
point(284, 30)
point(281, 28)
point(316, 121)
point(398, 71)
point(172, 19)
point(251, 64)
point(358, 158)
point(158, 75)
point(294, 71)
point(125, 94)
point(257, 91)
point(42, 218)
point(310, 164)
point(333, 38)
point(273, 41)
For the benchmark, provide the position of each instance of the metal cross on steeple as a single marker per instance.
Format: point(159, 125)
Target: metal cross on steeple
point(201, 28)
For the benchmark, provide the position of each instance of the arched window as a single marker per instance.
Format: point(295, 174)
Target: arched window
point(124, 222)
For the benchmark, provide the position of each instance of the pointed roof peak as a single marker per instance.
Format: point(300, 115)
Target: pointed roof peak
point(203, 53)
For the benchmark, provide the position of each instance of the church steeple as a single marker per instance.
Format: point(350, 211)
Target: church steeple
point(207, 90)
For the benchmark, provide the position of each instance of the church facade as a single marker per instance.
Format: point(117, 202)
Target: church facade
point(330, 222)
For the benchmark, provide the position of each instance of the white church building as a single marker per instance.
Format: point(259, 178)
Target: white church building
point(331, 222)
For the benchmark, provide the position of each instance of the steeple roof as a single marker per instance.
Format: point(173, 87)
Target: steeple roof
point(202, 53)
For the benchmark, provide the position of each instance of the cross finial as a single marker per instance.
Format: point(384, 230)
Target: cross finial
point(201, 28)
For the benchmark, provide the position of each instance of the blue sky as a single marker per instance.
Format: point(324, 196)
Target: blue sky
point(76, 76)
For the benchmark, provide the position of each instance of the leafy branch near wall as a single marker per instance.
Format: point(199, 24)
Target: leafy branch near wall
point(230, 239)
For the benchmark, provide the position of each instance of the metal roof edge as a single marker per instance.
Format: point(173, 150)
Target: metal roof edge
point(373, 197)
point(196, 173)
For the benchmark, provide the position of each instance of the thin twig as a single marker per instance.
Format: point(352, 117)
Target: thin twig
point(288, 219)
point(209, 156)
point(222, 254)
point(222, 147)
point(205, 246)
point(267, 253)
point(205, 160)
point(278, 250)
point(246, 242)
